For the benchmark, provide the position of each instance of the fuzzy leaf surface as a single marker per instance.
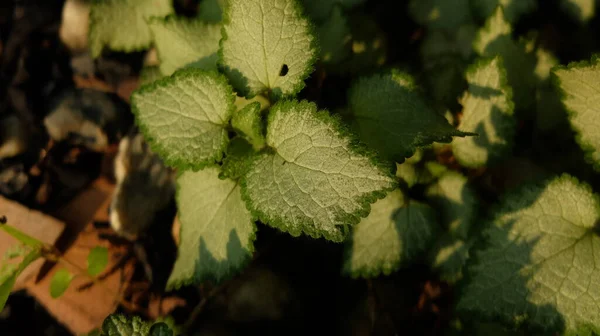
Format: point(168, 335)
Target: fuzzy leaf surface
point(391, 116)
point(488, 111)
point(316, 179)
point(267, 46)
point(217, 231)
point(182, 42)
point(395, 232)
point(185, 117)
point(580, 86)
point(539, 263)
point(121, 25)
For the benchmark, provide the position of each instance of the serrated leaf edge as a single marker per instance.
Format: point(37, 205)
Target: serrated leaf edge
point(165, 82)
point(481, 242)
point(104, 44)
point(314, 45)
point(410, 84)
point(587, 148)
point(379, 268)
point(355, 147)
point(229, 272)
point(508, 92)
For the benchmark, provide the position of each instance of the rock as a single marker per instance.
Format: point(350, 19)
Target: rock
point(145, 186)
point(74, 25)
point(86, 117)
point(13, 137)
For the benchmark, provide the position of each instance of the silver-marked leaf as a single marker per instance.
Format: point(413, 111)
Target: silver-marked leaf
point(580, 86)
point(537, 266)
point(395, 233)
point(217, 231)
point(184, 117)
point(495, 39)
point(316, 180)
point(456, 202)
point(182, 42)
point(391, 116)
point(121, 25)
point(488, 111)
point(267, 46)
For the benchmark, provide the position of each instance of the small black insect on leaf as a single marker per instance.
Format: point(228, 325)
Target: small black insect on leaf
point(284, 70)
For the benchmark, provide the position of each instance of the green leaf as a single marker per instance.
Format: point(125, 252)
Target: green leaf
point(513, 9)
point(97, 260)
point(120, 325)
point(456, 202)
point(8, 276)
point(320, 10)
point(60, 282)
point(488, 111)
point(448, 257)
point(537, 266)
point(391, 116)
point(267, 46)
point(10, 272)
point(334, 38)
point(316, 179)
point(21, 236)
point(217, 231)
point(211, 11)
point(183, 42)
point(440, 14)
point(240, 155)
point(395, 233)
point(495, 40)
point(185, 116)
point(248, 123)
point(579, 84)
point(581, 10)
point(121, 25)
